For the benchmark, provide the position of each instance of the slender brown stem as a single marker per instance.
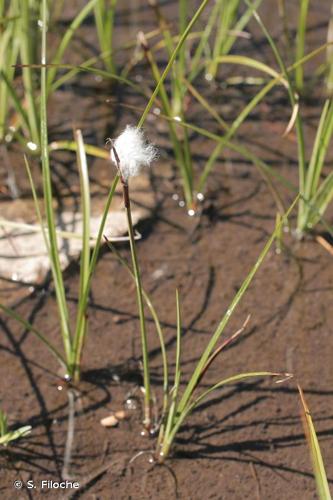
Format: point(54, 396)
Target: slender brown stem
point(147, 422)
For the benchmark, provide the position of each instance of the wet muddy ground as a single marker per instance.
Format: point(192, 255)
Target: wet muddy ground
point(246, 441)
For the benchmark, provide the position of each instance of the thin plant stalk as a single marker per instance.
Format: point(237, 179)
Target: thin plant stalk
point(48, 198)
point(226, 18)
point(147, 421)
point(300, 43)
point(83, 299)
point(171, 416)
point(26, 58)
point(80, 333)
point(157, 326)
point(329, 55)
point(104, 16)
point(77, 21)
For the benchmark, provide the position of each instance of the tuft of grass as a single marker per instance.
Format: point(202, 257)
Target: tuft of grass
point(314, 196)
point(176, 407)
point(18, 43)
point(73, 339)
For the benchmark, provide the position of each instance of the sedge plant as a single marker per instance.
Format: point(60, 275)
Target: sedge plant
point(186, 68)
point(130, 152)
point(73, 338)
point(316, 191)
point(20, 28)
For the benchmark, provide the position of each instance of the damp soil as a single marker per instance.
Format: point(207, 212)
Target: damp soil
point(246, 441)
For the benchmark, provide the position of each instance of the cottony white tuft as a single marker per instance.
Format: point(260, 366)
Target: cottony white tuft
point(134, 152)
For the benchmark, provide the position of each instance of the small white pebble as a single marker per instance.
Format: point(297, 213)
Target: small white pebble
point(121, 415)
point(110, 421)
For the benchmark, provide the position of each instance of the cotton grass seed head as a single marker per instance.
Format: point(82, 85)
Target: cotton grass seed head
point(133, 152)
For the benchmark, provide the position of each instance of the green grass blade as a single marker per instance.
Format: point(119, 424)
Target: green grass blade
point(26, 58)
point(174, 392)
point(157, 326)
point(172, 60)
point(300, 42)
point(78, 20)
point(185, 412)
point(72, 146)
point(16, 101)
point(320, 201)
point(74, 69)
point(218, 332)
point(104, 17)
point(48, 199)
point(316, 456)
point(302, 166)
point(182, 162)
point(323, 138)
point(85, 252)
point(13, 435)
point(82, 306)
point(196, 61)
point(28, 326)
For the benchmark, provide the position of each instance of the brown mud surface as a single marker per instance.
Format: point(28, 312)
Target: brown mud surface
point(246, 441)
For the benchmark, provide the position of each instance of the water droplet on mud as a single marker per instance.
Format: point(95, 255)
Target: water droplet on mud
point(60, 387)
point(175, 197)
point(67, 377)
point(32, 146)
point(181, 203)
point(157, 111)
point(208, 77)
point(14, 276)
point(191, 212)
point(130, 404)
point(144, 433)
point(200, 197)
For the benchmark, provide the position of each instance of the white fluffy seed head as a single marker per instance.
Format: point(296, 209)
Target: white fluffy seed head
point(133, 151)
